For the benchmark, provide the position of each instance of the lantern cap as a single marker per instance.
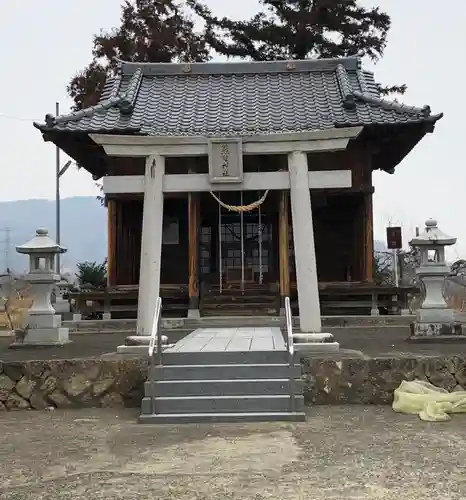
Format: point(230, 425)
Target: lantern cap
point(432, 236)
point(42, 243)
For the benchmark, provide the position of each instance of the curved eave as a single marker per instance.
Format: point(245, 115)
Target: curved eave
point(79, 147)
point(392, 143)
point(42, 127)
point(432, 119)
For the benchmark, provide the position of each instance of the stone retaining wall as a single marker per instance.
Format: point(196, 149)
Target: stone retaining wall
point(117, 383)
point(372, 381)
point(67, 383)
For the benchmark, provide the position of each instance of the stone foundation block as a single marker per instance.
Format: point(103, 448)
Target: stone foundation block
point(313, 338)
point(317, 347)
point(41, 337)
point(438, 332)
point(39, 322)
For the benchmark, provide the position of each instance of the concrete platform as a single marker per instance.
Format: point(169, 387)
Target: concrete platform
point(129, 325)
point(386, 341)
point(231, 340)
point(222, 346)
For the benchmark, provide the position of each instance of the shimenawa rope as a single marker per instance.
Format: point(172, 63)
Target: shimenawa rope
point(241, 208)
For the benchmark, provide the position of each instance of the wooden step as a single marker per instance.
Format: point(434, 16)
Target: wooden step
point(239, 300)
point(247, 288)
point(250, 304)
point(239, 293)
point(206, 312)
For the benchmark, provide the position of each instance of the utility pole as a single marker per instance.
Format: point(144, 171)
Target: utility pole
point(395, 268)
point(6, 241)
point(57, 194)
point(59, 171)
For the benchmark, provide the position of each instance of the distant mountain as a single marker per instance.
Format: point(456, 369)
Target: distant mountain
point(83, 229)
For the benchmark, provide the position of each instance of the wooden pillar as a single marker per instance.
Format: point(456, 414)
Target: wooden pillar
point(283, 246)
point(193, 253)
point(127, 257)
point(356, 269)
point(122, 245)
point(131, 250)
point(112, 242)
point(368, 238)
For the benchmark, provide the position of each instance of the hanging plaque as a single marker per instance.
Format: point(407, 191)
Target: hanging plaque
point(225, 160)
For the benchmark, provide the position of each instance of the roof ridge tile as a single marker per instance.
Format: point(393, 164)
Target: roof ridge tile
point(113, 100)
point(51, 120)
point(425, 111)
point(128, 99)
point(346, 89)
point(239, 67)
point(362, 82)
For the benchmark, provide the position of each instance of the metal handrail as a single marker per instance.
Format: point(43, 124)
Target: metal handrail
point(155, 334)
point(155, 339)
point(290, 346)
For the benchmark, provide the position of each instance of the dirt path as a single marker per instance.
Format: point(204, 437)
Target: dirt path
point(339, 453)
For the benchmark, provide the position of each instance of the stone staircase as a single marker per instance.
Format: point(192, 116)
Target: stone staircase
point(255, 300)
point(227, 386)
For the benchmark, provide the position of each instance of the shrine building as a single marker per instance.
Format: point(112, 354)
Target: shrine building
point(239, 179)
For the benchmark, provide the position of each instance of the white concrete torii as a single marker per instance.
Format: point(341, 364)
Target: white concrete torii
point(298, 180)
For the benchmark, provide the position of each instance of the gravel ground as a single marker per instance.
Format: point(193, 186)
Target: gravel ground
point(386, 341)
point(350, 452)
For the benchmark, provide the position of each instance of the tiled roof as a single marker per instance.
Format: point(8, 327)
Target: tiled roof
point(245, 98)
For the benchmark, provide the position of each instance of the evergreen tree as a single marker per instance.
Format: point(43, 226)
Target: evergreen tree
point(300, 29)
point(149, 31)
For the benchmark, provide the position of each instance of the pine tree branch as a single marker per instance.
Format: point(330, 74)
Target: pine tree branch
point(393, 89)
point(300, 29)
point(149, 31)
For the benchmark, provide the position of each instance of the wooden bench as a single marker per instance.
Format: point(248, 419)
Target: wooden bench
point(358, 298)
point(175, 300)
point(121, 302)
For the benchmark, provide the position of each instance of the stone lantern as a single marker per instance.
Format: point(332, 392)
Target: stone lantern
point(44, 327)
point(62, 305)
point(434, 318)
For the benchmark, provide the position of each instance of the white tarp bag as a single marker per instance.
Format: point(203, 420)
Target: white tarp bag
point(431, 403)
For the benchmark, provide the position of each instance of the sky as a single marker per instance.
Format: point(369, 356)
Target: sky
point(44, 49)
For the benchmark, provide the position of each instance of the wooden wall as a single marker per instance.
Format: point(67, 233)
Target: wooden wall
point(175, 256)
point(124, 239)
point(343, 218)
point(356, 157)
point(125, 231)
